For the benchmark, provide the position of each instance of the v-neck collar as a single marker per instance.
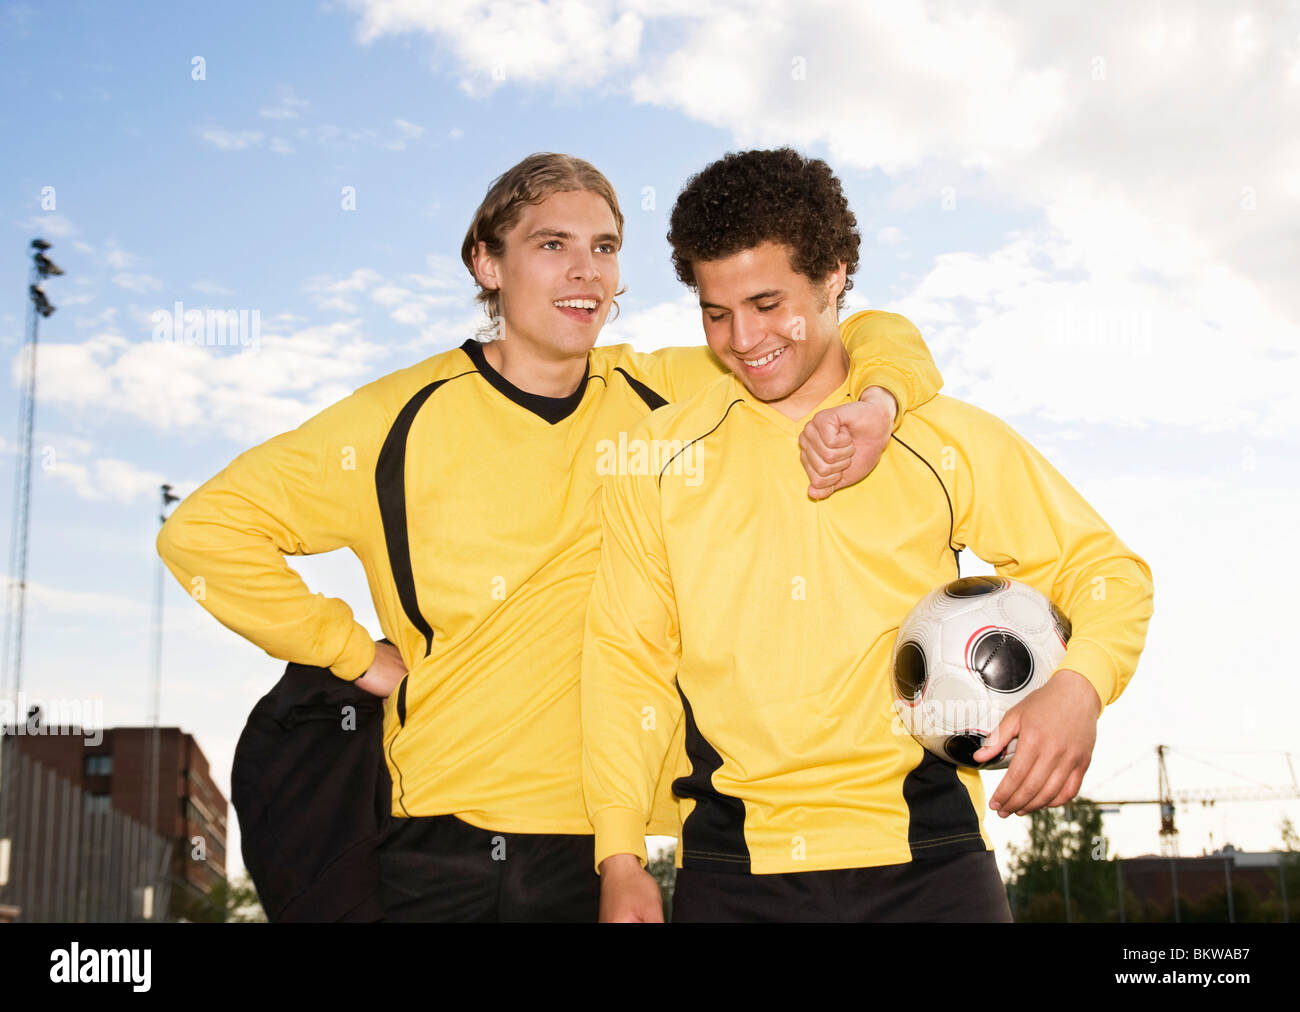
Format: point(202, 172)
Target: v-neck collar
point(550, 409)
point(843, 394)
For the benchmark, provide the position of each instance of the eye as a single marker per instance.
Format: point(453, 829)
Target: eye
point(607, 247)
point(767, 309)
point(551, 244)
point(716, 319)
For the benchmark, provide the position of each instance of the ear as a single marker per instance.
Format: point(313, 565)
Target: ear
point(835, 282)
point(485, 268)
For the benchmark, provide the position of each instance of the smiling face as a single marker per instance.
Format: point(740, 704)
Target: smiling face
point(776, 329)
point(556, 275)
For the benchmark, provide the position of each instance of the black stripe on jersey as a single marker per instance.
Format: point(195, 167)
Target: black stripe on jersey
point(550, 409)
point(713, 835)
point(688, 442)
point(652, 399)
point(941, 821)
point(952, 521)
point(390, 485)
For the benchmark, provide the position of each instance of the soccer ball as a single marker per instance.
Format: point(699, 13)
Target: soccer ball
point(965, 655)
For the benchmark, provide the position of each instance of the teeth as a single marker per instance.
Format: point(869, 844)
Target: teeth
point(576, 303)
point(764, 360)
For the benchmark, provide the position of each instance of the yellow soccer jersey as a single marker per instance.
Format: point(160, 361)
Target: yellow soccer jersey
point(725, 595)
point(474, 509)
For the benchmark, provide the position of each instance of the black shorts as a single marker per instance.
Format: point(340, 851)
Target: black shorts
point(438, 868)
point(964, 888)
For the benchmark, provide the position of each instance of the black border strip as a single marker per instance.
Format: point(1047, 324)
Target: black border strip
point(390, 487)
point(652, 399)
point(550, 409)
point(952, 519)
point(660, 479)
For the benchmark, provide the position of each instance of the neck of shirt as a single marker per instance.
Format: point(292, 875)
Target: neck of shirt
point(842, 394)
point(551, 409)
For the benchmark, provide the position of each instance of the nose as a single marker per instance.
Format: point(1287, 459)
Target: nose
point(583, 266)
point(746, 332)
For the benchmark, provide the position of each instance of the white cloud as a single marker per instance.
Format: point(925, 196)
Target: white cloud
point(119, 259)
point(246, 396)
point(414, 308)
point(1017, 333)
point(288, 107)
point(444, 272)
point(516, 42)
point(211, 288)
point(664, 325)
point(333, 294)
point(890, 236)
point(407, 131)
point(107, 317)
point(1156, 146)
point(60, 601)
point(357, 281)
point(139, 283)
point(57, 226)
point(281, 147)
point(108, 478)
point(232, 140)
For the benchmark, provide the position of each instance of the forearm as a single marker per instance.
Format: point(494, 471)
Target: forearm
point(631, 650)
point(887, 351)
point(628, 720)
point(239, 575)
point(1109, 611)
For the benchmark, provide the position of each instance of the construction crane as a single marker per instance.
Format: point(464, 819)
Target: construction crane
point(1169, 798)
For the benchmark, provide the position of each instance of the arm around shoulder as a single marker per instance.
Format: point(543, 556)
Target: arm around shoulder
point(888, 351)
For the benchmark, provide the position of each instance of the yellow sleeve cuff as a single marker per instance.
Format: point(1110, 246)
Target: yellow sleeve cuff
point(1093, 662)
point(882, 376)
point(620, 831)
point(357, 656)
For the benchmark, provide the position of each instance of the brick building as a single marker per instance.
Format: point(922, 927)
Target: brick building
point(110, 769)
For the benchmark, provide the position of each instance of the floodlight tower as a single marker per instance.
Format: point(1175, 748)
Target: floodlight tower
point(42, 267)
point(11, 662)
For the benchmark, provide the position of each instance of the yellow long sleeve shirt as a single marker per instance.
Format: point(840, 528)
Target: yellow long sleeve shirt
point(473, 507)
point(767, 620)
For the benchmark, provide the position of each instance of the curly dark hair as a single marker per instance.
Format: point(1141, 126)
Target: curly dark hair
point(747, 198)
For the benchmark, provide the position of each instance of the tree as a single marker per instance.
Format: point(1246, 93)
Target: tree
point(664, 869)
point(1067, 856)
point(1289, 870)
point(228, 901)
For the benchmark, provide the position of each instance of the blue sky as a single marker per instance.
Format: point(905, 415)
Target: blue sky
point(1091, 214)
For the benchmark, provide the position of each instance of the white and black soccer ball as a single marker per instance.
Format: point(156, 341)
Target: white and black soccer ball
point(965, 655)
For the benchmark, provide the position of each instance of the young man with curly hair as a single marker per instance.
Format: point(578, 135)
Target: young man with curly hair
point(765, 621)
point(467, 485)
